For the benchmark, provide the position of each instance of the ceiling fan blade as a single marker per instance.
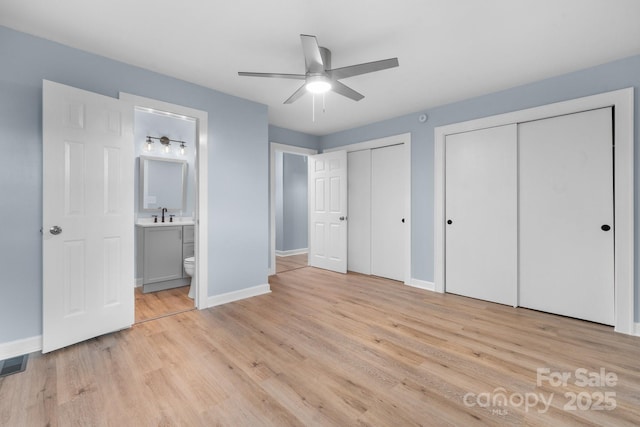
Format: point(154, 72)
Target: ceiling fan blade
point(296, 95)
point(276, 75)
point(369, 67)
point(312, 57)
point(345, 90)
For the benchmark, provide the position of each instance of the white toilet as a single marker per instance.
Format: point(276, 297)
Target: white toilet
point(189, 268)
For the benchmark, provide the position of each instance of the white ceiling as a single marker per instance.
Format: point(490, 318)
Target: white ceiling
point(448, 50)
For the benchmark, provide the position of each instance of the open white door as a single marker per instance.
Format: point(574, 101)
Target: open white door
point(328, 211)
point(87, 215)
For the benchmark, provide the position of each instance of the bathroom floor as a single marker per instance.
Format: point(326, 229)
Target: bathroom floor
point(291, 262)
point(162, 303)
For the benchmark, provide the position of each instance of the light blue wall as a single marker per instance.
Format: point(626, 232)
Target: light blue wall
point(295, 202)
point(237, 163)
point(612, 76)
point(279, 197)
point(292, 137)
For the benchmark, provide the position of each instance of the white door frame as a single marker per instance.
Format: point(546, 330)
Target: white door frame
point(622, 100)
point(202, 204)
point(292, 149)
point(405, 139)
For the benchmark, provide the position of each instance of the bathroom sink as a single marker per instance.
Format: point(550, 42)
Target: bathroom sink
point(148, 222)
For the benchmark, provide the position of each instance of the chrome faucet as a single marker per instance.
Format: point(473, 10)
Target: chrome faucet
point(163, 211)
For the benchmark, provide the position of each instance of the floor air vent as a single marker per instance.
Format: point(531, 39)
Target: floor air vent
point(13, 365)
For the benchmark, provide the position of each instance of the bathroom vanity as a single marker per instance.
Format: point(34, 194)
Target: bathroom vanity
point(161, 250)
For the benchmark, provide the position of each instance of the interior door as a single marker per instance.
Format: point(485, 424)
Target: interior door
point(88, 209)
point(359, 233)
point(328, 211)
point(387, 212)
point(566, 215)
point(481, 214)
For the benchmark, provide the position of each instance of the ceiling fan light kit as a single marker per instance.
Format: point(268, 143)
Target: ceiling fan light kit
point(319, 77)
point(318, 84)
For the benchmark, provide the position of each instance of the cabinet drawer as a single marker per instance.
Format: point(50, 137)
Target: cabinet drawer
point(188, 250)
point(188, 234)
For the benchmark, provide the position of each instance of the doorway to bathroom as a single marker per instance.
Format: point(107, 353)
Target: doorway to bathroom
point(169, 146)
point(289, 204)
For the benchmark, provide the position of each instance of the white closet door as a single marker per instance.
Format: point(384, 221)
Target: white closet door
point(387, 212)
point(359, 185)
point(566, 204)
point(481, 215)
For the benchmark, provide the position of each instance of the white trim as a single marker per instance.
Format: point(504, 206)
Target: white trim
point(421, 284)
point(292, 252)
point(404, 138)
point(19, 347)
point(238, 295)
point(202, 182)
point(636, 329)
point(274, 146)
point(622, 101)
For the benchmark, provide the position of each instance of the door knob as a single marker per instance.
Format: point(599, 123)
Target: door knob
point(342, 218)
point(449, 221)
point(605, 227)
point(55, 230)
point(403, 220)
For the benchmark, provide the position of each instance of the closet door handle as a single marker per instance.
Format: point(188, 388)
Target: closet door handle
point(606, 227)
point(449, 222)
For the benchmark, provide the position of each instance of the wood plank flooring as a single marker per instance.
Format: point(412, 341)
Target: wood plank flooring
point(326, 349)
point(291, 262)
point(153, 305)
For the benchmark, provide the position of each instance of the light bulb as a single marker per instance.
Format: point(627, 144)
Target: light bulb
point(318, 84)
point(166, 148)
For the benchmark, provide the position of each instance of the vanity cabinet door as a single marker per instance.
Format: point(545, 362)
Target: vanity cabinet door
point(162, 254)
point(188, 236)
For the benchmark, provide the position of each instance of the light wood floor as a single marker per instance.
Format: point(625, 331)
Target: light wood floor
point(326, 349)
point(291, 262)
point(162, 303)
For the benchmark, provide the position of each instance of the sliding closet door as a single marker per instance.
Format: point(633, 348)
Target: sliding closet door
point(566, 215)
point(387, 211)
point(359, 207)
point(481, 203)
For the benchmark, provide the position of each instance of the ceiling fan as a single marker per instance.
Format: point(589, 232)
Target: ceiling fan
point(319, 77)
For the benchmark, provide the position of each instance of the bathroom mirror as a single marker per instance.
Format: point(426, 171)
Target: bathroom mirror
point(163, 183)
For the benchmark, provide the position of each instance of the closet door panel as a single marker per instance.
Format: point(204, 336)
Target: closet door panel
point(481, 203)
point(566, 197)
point(387, 212)
point(359, 184)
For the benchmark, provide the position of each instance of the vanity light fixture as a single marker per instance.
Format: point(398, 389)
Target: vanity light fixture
point(166, 142)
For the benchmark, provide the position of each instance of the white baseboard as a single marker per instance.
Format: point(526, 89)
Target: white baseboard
point(421, 284)
point(293, 252)
point(19, 347)
point(238, 295)
point(636, 329)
